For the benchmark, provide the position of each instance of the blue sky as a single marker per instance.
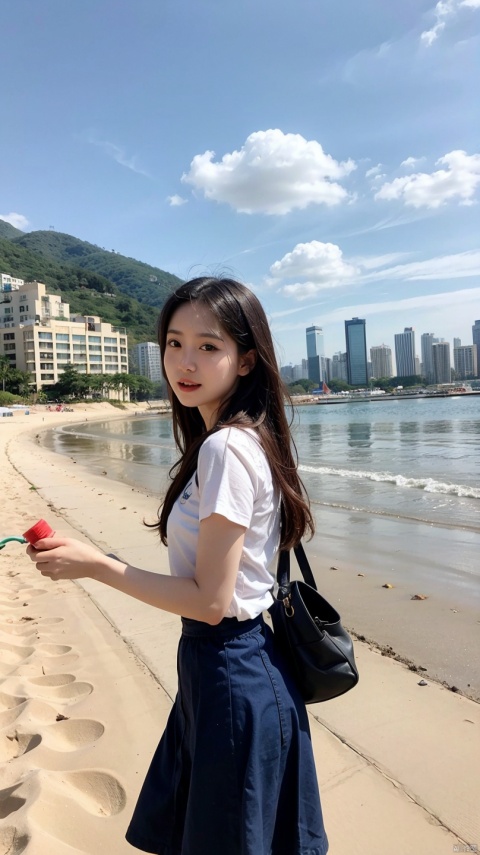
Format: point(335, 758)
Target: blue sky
point(327, 154)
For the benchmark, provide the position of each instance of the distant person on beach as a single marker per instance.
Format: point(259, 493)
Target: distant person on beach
point(234, 772)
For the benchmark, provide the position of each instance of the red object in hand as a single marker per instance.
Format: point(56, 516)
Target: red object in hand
point(38, 531)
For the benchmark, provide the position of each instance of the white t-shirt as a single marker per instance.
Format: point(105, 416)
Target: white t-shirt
point(234, 480)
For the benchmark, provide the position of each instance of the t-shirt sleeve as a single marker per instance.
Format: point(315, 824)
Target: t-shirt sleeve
point(227, 477)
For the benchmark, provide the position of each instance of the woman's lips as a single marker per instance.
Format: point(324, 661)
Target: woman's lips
point(188, 387)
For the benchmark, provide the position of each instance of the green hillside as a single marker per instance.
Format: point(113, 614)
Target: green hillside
point(133, 278)
point(9, 232)
point(86, 292)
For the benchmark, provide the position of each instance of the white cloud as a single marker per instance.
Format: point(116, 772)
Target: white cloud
point(319, 265)
point(311, 268)
point(456, 266)
point(16, 220)
point(370, 173)
point(374, 262)
point(431, 190)
point(118, 154)
point(444, 10)
point(273, 173)
point(175, 201)
point(410, 162)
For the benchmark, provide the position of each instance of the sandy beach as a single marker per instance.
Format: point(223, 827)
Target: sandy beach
point(88, 677)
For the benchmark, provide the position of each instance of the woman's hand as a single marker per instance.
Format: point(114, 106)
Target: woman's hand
point(66, 558)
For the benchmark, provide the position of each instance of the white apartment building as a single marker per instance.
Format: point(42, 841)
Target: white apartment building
point(9, 283)
point(465, 361)
point(147, 358)
point(300, 371)
point(339, 369)
point(381, 357)
point(38, 335)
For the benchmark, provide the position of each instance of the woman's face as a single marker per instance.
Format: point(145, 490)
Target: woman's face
point(202, 362)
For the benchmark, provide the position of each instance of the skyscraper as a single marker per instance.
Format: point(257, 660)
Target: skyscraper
point(428, 340)
point(381, 357)
point(356, 340)
point(441, 362)
point(476, 341)
point(315, 355)
point(405, 352)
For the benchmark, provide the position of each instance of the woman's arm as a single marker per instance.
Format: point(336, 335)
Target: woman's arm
point(206, 597)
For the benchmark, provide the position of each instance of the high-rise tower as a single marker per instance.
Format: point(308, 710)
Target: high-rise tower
point(356, 340)
point(315, 355)
point(405, 352)
point(441, 362)
point(428, 339)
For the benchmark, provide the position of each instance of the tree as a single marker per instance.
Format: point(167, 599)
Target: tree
point(70, 384)
point(145, 388)
point(4, 370)
point(407, 381)
point(306, 385)
point(18, 381)
point(338, 385)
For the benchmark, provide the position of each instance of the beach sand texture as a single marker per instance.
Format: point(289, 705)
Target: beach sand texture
point(88, 676)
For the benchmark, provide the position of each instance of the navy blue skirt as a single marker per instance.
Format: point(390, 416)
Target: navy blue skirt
point(234, 772)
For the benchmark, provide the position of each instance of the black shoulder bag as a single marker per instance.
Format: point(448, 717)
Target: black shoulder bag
point(310, 636)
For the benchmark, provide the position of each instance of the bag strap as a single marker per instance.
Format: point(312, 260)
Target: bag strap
point(283, 570)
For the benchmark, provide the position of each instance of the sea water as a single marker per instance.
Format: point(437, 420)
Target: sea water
point(385, 477)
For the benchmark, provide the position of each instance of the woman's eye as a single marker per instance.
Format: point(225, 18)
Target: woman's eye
point(173, 343)
point(208, 347)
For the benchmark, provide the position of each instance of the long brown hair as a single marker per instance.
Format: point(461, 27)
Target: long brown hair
point(258, 401)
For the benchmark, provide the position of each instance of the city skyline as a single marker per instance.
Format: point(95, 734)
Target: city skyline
point(422, 346)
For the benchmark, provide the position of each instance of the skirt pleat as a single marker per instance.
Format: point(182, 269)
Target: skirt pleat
point(234, 772)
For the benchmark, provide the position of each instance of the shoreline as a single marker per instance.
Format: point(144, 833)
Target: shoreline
point(402, 757)
point(354, 398)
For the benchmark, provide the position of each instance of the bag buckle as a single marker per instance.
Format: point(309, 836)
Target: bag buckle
point(289, 610)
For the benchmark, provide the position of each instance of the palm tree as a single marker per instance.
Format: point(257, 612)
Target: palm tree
point(4, 370)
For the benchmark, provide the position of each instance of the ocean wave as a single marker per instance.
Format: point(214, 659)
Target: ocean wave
point(429, 485)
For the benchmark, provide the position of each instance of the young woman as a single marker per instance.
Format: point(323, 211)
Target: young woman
point(234, 771)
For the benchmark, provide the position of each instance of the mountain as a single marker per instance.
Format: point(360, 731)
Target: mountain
point(87, 293)
point(9, 232)
point(133, 278)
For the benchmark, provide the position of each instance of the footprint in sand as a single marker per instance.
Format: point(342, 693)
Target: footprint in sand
point(96, 792)
point(16, 743)
point(62, 688)
point(33, 592)
point(53, 649)
point(28, 624)
point(58, 803)
point(63, 736)
point(29, 712)
point(11, 656)
point(14, 603)
point(13, 841)
point(8, 702)
point(10, 803)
